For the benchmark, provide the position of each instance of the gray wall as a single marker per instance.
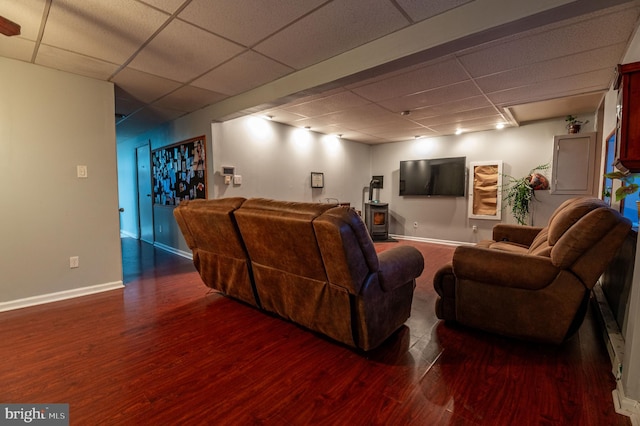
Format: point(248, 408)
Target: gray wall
point(50, 122)
point(445, 218)
point(274, 160)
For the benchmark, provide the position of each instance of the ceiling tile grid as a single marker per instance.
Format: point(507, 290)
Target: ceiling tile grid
point(183, 52)
point(336, 27)
point(171, 57)
point(420, 10)
point(75, 63)
point(188, 98)
point(591, 60)
point(143, 86)
point(431, 76)
point(246, 21)
point(441, 95)
point(111, 31)
point(243, 72)
point(550, 42)
point(561, 87)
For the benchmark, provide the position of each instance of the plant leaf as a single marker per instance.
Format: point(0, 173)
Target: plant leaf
point(625, 190)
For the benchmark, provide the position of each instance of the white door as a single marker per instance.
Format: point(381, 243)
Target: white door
point(145, 201)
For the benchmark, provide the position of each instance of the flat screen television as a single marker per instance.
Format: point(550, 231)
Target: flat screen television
point(434, 177)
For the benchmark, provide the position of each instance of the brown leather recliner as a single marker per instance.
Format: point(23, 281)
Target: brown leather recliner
point(529, 282)
point(314, 264)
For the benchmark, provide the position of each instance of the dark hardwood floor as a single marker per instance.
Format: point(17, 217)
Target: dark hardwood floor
point(167, 351)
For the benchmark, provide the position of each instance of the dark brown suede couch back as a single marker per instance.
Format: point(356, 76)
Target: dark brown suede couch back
point(314, 264)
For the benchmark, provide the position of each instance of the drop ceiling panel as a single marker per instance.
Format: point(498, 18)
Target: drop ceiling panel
point(329, 104)
point(158, 52)
point(441, 73)
point(437, 96)
point(419, 10)
point(183, 52)
point(189, 98)
point(74, 63)
point(28, 14)
point(486, 123)
point(565, 66)
point(246, 21)
point(581, 104)
point(169, 6)
point(333, 29)
point(142, 86)
point(111, 31)
point(487, 112)
point(568, 86)
point(244, 72)
point(453, 107)
point(554, 41)
point(359, 117)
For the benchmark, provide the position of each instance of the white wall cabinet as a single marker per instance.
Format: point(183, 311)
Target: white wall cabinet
point(573, 163)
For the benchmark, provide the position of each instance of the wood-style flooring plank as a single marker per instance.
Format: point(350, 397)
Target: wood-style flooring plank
point(167, 350)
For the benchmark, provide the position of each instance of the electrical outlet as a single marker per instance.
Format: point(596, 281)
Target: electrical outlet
point(474, 228)
point(74, 262)
point(82, 171)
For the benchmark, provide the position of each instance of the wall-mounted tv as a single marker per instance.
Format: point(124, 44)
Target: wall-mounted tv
point(434, 177)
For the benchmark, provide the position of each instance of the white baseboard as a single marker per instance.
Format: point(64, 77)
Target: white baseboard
point(57, 296)
point(613, 338)
point(614, 342)
point(626, 406)
point(429, 240)
point(124, 233)
point(174, 250)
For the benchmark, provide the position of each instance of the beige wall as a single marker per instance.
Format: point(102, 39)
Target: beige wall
point(50, 122)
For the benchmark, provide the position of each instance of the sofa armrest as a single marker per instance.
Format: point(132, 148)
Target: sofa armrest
point(398, 266)
point(503, 268)
point(519, 234)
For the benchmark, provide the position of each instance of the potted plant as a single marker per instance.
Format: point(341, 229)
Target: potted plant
point(628, 184)
point(518, 192)
point(573, 124)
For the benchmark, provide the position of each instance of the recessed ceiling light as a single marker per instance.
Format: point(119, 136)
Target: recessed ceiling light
point(458, 131)
point(500, 126)
point(418, 137)
point(407, 112)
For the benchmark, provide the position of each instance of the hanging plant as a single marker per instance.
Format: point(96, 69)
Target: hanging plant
point(518, 193)
point(629, 185)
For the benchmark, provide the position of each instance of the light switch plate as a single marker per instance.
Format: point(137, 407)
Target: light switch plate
point(237, 179)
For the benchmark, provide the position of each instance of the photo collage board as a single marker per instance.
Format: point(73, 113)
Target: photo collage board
point(180, 172)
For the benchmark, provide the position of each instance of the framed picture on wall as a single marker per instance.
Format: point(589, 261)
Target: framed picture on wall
point(180, 172)
point(317, 180)
point(485, 183)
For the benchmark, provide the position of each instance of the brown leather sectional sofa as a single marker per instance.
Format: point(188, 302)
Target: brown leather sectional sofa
point(313, 264)
point(530, 282)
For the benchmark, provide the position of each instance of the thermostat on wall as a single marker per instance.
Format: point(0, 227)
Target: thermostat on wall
point(228, 170)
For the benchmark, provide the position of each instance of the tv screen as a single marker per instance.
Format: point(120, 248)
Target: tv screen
point(434, 177)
